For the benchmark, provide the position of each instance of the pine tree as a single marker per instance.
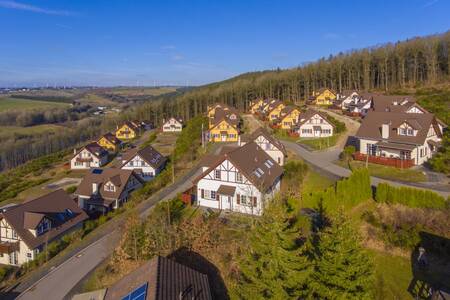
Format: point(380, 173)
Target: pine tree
point(342, 270)
point(276, 267)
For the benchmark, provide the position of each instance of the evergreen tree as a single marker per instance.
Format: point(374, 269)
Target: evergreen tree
point(276, 266)
point(342, 270)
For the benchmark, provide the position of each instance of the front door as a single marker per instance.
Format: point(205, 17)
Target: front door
point(317, 133)
point(224, 137)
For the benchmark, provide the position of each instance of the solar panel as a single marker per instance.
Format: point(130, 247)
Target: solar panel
point(97, 171)
point(139, 293)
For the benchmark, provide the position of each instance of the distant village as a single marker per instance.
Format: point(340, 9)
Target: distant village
point(241, 177)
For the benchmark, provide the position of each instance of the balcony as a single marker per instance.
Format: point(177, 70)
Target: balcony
point(8, 247)
point(387, 161)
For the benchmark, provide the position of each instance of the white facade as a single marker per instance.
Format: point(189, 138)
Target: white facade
point(275, 153)
point(86, 160)
point(23, 254)
point(246, 197)
point(147, 172)
point(172, 125)
point(315, 127)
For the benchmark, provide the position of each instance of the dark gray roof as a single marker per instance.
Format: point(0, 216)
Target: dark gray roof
point(166, 280)
point(263, 132)
point(226, 190)
point(148, 154)
point(52, 206)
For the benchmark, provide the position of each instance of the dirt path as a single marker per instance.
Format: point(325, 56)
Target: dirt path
point(252, 122)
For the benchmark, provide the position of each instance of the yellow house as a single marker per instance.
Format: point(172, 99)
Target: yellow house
point(274, 111)
point(289, 117)
point(324, 96)
point(213, 108)
point(109, 141)
point(256, 105)
point(127, 131)
point(223, 131)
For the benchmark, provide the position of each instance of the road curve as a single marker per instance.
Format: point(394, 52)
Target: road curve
point(324, 161)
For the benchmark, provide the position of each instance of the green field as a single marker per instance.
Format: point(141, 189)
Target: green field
point(10, 131)
point(16, 103)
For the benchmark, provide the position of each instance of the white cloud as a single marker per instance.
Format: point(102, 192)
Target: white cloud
point(32, 8)
point(177, 57)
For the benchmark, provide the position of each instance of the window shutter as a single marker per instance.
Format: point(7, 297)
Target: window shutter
point(203, 193)
point(254, 201)
point(217, 196)
point(238, 198)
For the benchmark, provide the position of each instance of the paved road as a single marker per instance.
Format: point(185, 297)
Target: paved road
point(74, 269)
point(324, 161)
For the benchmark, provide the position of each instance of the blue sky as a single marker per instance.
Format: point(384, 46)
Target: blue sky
point(109, 42)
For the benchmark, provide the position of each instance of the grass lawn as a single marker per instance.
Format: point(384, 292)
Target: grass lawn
point(9, 131)
point(319, 143)
point(393, 275)
point(16, 103)
point(386, 172)
point(314, 182)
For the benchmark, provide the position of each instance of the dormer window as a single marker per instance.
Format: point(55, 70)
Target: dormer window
point(42, 227)
point(410, 131)
point(109, 187)
point(402, 131)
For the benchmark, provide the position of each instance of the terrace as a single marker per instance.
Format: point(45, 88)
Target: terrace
point(387, 161)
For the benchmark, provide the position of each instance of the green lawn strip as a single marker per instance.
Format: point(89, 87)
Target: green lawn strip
point(319, 143)
point(15, 103)
point(387, 172)
point(393, 275)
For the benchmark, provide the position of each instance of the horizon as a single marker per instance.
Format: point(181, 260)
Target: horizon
point(87, 44)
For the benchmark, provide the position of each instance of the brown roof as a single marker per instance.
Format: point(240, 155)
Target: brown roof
point(56, 206)
point(371, 126)
point(273, 106)
point(391, 103)
point(95, 149)
point(309, 114)
point(226, 190)
point(261, 131)
point(111, 138)
point(248, 159)
point(224, 114)
point(165, 280)
point(131, 125)
point(148, 154)
point(118, 177)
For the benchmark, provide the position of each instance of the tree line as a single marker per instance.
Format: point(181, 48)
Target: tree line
point(412, 63)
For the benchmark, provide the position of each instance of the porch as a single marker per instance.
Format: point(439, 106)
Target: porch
point(9, 247)
point(402, 163)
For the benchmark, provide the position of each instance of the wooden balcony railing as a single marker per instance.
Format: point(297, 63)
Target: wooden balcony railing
point(387, 161)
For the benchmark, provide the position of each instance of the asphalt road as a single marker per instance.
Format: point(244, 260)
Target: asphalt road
point(60, 281)
point(324, 161)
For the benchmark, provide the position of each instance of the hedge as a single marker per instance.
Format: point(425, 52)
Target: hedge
point(411, 197)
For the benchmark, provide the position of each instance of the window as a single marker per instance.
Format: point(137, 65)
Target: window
point(402, 131)
point(14, 234)
point(258, 172)
point(238, 177)
point(268, 164)
point(142, 163)
point(131, 163)
point(244, 200)
point(29, 255)
point(110, 187)
point(217, 174)
point(213, 195)
point(410, 131)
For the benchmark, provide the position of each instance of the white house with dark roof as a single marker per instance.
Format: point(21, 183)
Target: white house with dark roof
point(273, 147)
point(172, 125)
point(90, 156)
point(146, 162)
point(241, 180)
point(26, 228)
point(314, 124)
point(410, 137)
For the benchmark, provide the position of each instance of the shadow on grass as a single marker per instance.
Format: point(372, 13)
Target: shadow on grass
point(430, 263)
point(197, 262)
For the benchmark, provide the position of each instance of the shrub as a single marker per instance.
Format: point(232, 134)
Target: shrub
point(71, 189)
point(409, 196)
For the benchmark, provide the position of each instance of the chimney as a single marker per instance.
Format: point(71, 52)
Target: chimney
point(94, 188)
point(74, 151)
point(385, 131)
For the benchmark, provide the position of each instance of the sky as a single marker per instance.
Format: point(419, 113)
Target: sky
point(133, 42)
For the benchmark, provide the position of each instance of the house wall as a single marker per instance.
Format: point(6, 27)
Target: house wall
point(95, 163)
point(107, 144)
point(172, 125)
point(216, 136)
point(148, 172)
point(275, 113)
point(245, 188)
point(325, 98)
point(289, 120)
point(307, 128)
point(270, 149)
point(121, 133)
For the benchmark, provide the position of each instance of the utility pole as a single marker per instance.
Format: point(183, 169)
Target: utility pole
point(173, 167)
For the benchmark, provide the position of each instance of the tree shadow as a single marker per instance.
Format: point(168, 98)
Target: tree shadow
point(430, 263)
point(197, 262)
